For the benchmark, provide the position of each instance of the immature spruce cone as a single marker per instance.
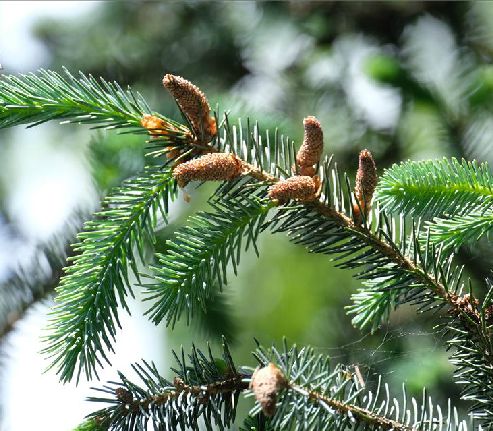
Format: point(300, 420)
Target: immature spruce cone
point(311, 150)
point(209, 167)
point(366, 183)
point(300, 188)
point(266, 383)
point(194, 105)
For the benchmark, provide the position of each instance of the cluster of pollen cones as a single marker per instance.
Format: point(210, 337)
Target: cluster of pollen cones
point(303, 186)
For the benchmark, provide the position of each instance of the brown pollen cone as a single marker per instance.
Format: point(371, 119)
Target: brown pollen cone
point(209, 167)
point(311, 150)
point(302, 188)
point(366, 183)
point(266, 383)
point(194, 105)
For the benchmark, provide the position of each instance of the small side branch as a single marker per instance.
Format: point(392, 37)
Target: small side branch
point(202, 393)
point(358, 413)
point(298, 387)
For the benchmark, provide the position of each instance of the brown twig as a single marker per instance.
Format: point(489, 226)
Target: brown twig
point(231, 383)
point(356, 412)
point(239, 383)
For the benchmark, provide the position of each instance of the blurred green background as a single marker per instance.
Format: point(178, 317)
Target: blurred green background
point(403, 79)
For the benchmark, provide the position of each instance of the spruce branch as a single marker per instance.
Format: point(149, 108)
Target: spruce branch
point(315, 396)
point(23, 290)
point(204, 386)
point(392, 277)
point(84, 320)
point(395, 269)
point(325, 225)
point(472, 345)
point(451, 233)
point(329, 213)
point(47, 95)
point(320, 396)
point(436, 187)
point(399, 272)
point(197, 258)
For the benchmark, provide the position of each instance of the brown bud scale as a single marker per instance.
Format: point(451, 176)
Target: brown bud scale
point(266, 383)
point(311, 150)
point(160, 127)
point(156, 125)
point(194, 105)
point(124, 395)
point(209, 167)
point(366, 183)
point(300, 188)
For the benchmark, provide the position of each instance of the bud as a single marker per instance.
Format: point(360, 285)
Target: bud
point(300, 188)
point(209, 167)
point(178, 383)
point(366, 182)
point(266, 383)
point(155, 125)
point(194, 105)
point(311, 150)
point(160, 127)
point(124, 395)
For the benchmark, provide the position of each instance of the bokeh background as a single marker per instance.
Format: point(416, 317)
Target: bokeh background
point(403, 79)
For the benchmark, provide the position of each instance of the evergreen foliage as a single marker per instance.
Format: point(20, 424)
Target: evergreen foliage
point(471, 344)
point(459, 230)
point(21, 291)
point(436, 187)
point(458, 195)
point(196, 261)
point(397, 259)
point(203, 386)
point(84, 322)
point(317, 396)
point(36, 98)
